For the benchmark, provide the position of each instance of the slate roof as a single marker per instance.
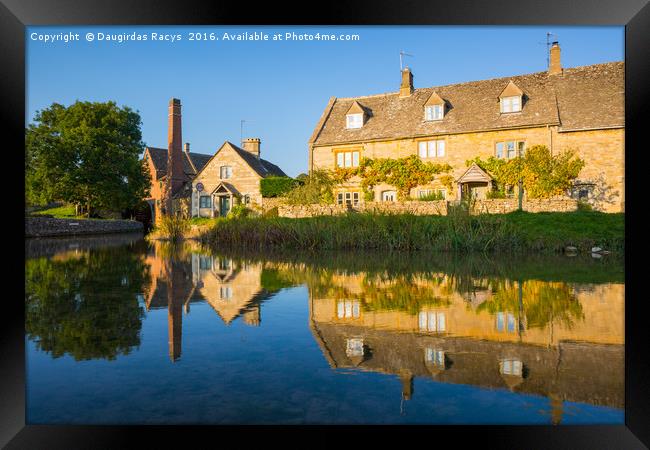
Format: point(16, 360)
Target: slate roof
point(159, 159)
point(261, 166)
point(579, 98)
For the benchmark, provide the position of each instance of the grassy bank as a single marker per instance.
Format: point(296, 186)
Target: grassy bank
point(514, 232)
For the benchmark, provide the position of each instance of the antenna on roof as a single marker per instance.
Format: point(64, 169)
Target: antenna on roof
point(548, 44)
point(402, 53)
point(241, 132)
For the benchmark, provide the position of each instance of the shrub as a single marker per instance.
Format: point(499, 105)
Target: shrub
point(368, 196)
point(495, 194)
point(584, 206)
point(434, 196)
point(276, 186)
point(239, 211)
point(317, 188)
point(173, 227)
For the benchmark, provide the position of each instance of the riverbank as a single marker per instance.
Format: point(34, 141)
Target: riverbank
point(48, 226)
point(513, 232)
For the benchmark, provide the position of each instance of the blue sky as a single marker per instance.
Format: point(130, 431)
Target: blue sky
point(280, 88)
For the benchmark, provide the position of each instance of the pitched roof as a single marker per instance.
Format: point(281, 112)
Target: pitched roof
point(195, 161)
point(261, 166)
point(580, 98)
point(474, 174)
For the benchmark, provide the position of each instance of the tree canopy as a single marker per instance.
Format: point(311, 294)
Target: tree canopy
point(87, 154)
point(543, 174)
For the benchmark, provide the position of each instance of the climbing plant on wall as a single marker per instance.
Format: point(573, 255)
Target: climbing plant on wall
point(543, 174)
point(403, 173)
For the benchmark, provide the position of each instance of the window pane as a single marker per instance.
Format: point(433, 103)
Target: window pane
point(431, 146)
point(355, 159)
point(522, 150)
point(348, 309)
point(422, 320)
point(348, 159)
point(431, 325)
point(340, 310)
point(422, 149)
point(438, 110)
point(511, 323)
point(441, 148)
point(339, 198)
point(516, 106)
point(500, 321)
point(500, 150)
point(355, 308)
point(339, 159)
point(428, 113)
point(441, 321)
point(511, 149)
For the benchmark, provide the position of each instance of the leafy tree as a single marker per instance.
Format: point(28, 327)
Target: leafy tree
point(543, 175)
point(85, 306)
point(87, 154)
point(276, 186)
point(317, 188)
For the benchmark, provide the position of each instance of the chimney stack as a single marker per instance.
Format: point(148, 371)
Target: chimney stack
point(555, 67)
point(175, 174)
point(187, 148)
point(252, 145)
point(406, 88)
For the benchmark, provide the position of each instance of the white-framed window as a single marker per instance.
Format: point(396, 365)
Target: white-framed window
point(354, 347)
point(205, 201)
point(510, 149)
point(434, 356)
point(506, 322)
point(433, 112)
point(347, 309)
point(431, 149)
point(389, 196)
point(347, 159)
point(432, 321)
point(511, 104)
point(225, 292)
point(205, 262)
point(511, 366)
point(347, 198)
point(354, 120)
point(225, 172)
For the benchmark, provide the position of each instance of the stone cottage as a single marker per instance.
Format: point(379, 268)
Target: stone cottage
point(214, 183)
point(580, 108)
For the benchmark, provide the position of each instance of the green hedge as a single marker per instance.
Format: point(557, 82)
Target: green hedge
point(276, 186)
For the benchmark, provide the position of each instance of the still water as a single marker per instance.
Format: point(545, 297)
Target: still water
point(120, 331)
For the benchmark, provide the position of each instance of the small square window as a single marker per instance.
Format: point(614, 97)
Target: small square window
point(225, 172)
point(205, 201)
point(433, 112)
point(354, 120)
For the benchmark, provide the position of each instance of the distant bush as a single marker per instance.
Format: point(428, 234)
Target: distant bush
point(276, 186)
point(495, 194)
point(317, 188)
point(239, 211)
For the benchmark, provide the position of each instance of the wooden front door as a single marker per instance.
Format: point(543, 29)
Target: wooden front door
point(224, 206)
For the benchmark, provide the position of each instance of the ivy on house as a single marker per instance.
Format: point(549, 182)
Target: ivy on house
point(543, 174)
point(403, 173)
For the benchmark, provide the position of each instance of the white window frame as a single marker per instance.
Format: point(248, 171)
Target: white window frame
point(511, 104)
point(435, 321)
point(511, 366)
point(354, 347)
point(518, 147)
point(225, 170)
point(434, 112)
point(390, 193)
point(435, 148)
point(353, 121)
point(345, 159)
point(225, 292)
point(434, 356)
point(347, 309)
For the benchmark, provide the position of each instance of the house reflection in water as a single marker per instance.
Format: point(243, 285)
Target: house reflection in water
point(181, 277)
point(561, 341)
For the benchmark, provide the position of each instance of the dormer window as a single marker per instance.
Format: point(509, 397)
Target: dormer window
point(510, 98)
point(511, 104)
point(354, 120)
point(433, 112)
point(434, 108)
point(355, 116)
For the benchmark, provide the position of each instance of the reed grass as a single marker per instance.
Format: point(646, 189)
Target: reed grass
point(458, 231)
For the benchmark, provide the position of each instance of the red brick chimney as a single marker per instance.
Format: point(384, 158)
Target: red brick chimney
point(175, 174)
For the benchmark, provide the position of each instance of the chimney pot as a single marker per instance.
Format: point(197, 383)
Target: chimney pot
point(187, 147)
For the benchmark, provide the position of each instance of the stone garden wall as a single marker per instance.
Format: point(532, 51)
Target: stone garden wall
point(419, 208)
point(44, 226)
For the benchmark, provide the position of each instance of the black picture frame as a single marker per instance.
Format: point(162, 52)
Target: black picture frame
point(15, 15)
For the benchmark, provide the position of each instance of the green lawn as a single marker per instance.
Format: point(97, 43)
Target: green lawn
point(60, 212)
